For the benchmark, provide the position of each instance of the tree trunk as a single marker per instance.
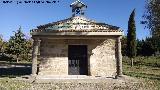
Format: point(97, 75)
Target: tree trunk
point(17, 58)
point(132, 62)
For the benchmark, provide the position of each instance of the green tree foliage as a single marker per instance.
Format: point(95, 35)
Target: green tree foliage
point(147, 47)
point(152, 21)
point(17, 44)
point(152, 17)
point(131, 37)
point(124, 45)
point(1, 44)
point(139, 47)
point(28, 50)
point(155, 44)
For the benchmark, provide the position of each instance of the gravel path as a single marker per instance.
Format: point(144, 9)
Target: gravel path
point(125, 83)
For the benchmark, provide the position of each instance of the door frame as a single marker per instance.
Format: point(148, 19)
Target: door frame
point(87, 62)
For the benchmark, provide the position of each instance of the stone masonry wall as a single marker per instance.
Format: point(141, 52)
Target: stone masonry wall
point(102, 59)
point(54, 60)
point(101, 56)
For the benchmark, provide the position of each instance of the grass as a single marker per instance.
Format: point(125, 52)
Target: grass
point(147, 68)
point(9, 84)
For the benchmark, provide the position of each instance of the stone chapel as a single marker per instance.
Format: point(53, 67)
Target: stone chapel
point(77, 46)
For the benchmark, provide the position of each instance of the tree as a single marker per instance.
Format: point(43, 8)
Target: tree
point(147, 47)
point(153, 45)
point(139, 47)
point(152, 17)
point(152, 21)
point(124, 45)
point(131, 37)
point(28, 50)
point(1, 44)
point(16, 45)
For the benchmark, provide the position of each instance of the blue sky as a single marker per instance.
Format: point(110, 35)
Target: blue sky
point(28, 16)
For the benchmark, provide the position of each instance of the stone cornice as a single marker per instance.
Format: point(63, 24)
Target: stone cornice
point(79, 33)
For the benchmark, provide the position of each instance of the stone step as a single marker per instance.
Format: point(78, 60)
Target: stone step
point(66, 77)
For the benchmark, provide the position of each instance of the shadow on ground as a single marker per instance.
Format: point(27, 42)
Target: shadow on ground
point(14, 70)
point(143, 75)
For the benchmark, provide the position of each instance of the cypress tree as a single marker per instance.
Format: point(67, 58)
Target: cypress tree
point(131, 37)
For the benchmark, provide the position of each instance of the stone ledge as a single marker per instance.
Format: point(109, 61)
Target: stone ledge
point(80, 33)
point(52, 77)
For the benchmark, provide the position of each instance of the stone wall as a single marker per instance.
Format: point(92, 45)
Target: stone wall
point(53, 56)
point(101, 56)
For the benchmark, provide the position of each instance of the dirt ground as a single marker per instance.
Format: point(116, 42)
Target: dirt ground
point(123, 83)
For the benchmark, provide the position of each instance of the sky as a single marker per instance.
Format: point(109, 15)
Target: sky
point(31, 15)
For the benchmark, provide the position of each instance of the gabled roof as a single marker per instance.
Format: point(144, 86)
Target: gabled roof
point(76, 24)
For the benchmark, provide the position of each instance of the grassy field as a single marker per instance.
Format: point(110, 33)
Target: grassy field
point(11, 84)
point(147, 68)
